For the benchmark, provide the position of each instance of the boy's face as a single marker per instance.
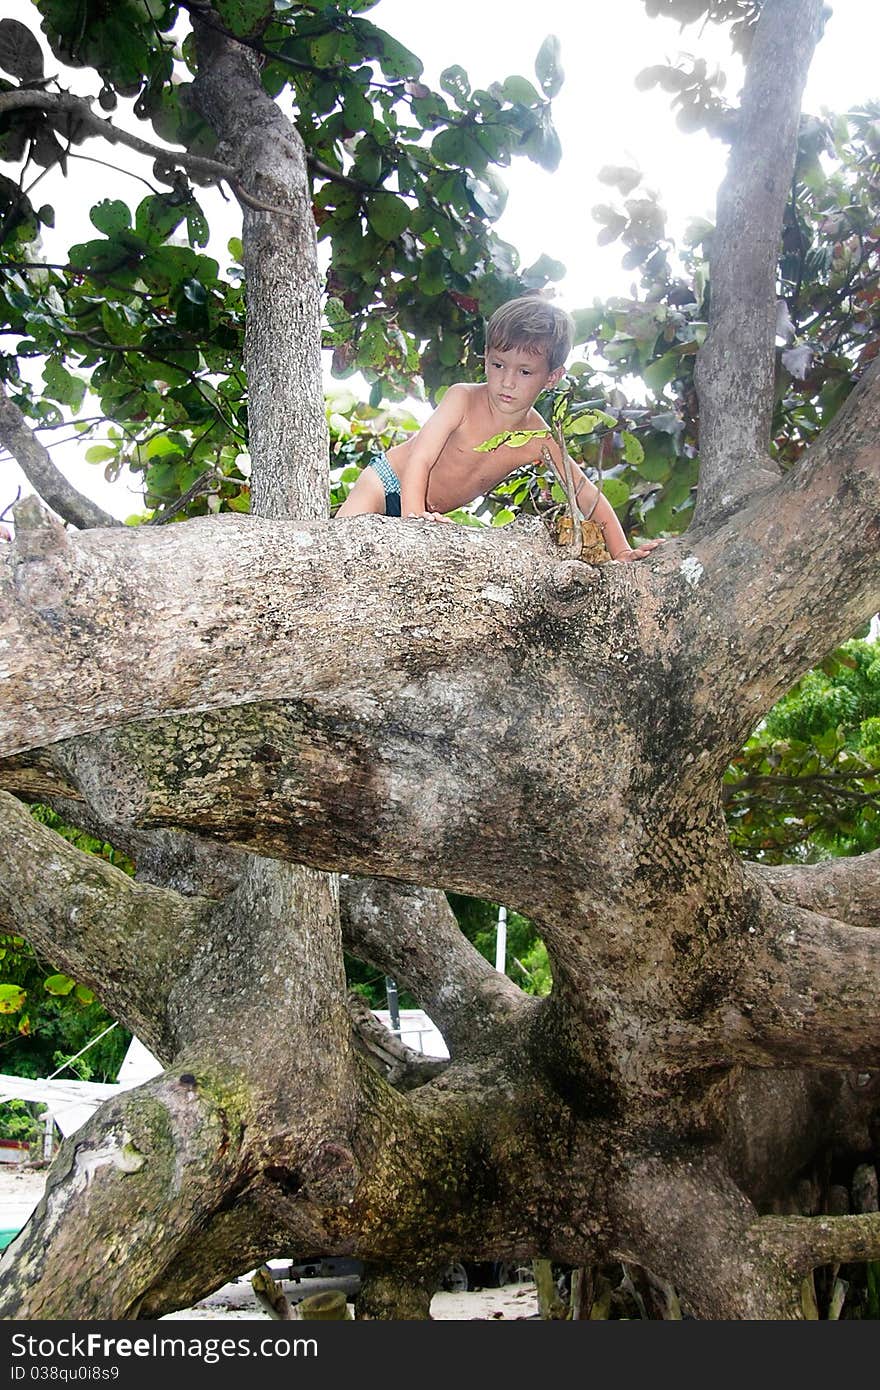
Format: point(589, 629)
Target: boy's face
point(516, 378)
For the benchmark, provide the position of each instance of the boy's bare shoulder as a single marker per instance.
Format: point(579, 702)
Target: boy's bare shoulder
point(465, 390)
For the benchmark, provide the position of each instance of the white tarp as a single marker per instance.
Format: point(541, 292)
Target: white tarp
point(70, 1101)
point(417, 1030)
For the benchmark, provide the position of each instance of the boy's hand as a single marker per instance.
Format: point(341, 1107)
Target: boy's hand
point(642, 549)
point(430, 516)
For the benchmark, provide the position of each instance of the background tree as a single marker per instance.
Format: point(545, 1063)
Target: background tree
point(335, 696)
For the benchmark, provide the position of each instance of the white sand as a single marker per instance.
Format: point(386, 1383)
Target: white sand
point(21, 1187)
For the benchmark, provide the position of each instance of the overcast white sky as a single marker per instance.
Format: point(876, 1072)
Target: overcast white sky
point(600, 116)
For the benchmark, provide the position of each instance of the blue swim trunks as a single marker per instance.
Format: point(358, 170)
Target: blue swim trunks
point(389, 480)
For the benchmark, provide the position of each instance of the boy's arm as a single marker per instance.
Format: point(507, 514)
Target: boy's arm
point(596, 506)
point(426, 449)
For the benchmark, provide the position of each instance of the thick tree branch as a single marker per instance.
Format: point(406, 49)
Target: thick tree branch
point(777, 1121)
point(274, 964)
point(810, 989)
point(787, 578)
point(269, 640)
point(847, 889)
point(36, 464)
point(402, 1067)
point(390, 695)
point(684, 1216)
point(803, 1242)
point(124, 1201)
point(124, 940)
point(735, 366)
point(412, 934)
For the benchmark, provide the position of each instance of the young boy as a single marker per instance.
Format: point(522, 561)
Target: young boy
point(439, 468)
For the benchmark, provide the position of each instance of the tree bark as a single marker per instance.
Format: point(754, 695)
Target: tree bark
point(735, 366)
point(287, 428)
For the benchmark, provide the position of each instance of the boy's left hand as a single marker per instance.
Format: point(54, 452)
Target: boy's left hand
point(641, 550)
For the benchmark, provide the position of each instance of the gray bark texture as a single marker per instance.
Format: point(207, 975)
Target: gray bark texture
point(250, 706)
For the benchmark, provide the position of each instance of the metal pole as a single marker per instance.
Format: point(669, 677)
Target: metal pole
point(393, 1010)
point(501, 941)
point(90, 1043)
point(47, 1137)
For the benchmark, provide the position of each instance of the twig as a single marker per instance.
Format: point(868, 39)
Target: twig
point(201, 484)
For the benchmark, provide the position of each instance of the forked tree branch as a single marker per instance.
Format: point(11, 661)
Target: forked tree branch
point(809, 988)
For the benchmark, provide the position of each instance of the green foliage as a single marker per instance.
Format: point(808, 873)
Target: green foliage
point(807, 784)
point(513, 439)
point(828, 321)
point(49, 1018)
point(20, 1119)
point(527, 961)
point(45, 1016)
point(141, 333)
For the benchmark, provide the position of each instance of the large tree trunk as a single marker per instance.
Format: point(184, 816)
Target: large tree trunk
point(471, 711)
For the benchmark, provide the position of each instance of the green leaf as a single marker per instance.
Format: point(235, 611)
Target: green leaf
point(84, 994)
point(543, 145)
point(586, 422)
point(543, 269)
point(620, 176)
point(503, 517)
point(99, 453)
point(454, 80)
point(158, 216)
point(514, 439)
point(12, 998)
point(357, 110)
point(388, 215)
point(548, 67)
point(490, 194)
point(195, 291)
point(656, 465)
point(395, 60)
point(58, 984)
point(98, 257)
point(243, 16)
point(110, 216)
point(632, 449)
point(20, 52)
point(519, 89)
point(61, 386)
point(616, 491)
point(659, 374)
point(197, 227)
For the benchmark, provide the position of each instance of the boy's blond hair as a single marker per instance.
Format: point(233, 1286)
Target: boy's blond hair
point(534, 325)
